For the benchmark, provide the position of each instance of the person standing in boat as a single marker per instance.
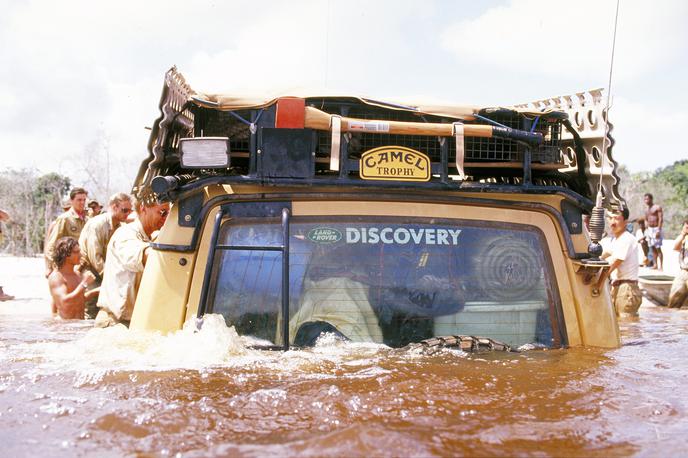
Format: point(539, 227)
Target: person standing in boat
point(127, 253)
point(621, 250)
point(679, 288)
point(654, 217)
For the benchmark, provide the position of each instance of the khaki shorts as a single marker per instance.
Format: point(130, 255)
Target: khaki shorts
point(106, 318)
point(627, 298)
point(679, 290)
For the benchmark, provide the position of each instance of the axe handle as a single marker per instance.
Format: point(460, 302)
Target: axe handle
point(319, 120)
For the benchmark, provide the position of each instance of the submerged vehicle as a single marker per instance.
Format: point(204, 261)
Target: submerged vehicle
point(379, 222)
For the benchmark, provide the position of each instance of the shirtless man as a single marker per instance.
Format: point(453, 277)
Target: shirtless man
point(67, 286)
point(655, 219)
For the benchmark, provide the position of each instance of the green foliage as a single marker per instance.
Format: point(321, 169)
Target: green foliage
point(50, 187)
point(677, 176)
point(669, 187)
point(32, 202)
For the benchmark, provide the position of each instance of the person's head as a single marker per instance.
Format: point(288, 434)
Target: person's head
point(120, 206)
point(641, 223)
point(66, 203)
point(648, 199)
point(685, 225)
point(152, 215)
point(94, 207)
point(617, 221)
point(77, 197)
point(66, 251)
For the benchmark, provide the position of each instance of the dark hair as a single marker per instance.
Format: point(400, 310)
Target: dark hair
point(647, 194)
point(63, 250)
point(75, 191)
point(625, 213)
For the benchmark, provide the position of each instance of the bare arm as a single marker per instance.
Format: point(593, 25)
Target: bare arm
point(660, 217)
point(62, 298)
point(92, 292)
point(678, 243)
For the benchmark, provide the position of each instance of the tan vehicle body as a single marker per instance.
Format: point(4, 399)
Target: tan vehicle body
point(170, 292)
point(171, 288)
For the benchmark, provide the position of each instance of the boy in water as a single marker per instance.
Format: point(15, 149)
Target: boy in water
point(67, 286)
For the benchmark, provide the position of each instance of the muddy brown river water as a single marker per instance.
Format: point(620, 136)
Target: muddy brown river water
point(69, 390)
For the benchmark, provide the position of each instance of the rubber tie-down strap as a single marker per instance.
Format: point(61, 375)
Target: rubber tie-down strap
point(469, 344)
point(460, 151)
point(336, 128)
point(251, 125)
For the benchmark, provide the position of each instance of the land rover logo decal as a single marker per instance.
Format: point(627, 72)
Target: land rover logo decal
point(394, 163)
point(324, 235)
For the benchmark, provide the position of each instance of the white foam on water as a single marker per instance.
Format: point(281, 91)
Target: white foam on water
point(99, 352)
point(118, 348)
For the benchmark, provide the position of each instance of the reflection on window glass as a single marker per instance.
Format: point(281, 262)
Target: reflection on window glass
point(388, 280)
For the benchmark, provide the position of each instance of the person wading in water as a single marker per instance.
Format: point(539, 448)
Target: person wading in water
point(67, 287)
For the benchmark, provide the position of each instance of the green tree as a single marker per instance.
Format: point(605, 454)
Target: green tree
point(669, 187)
point(32, 201)
point(677, 176)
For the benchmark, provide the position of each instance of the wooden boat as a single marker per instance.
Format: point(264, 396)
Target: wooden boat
point(656, 287)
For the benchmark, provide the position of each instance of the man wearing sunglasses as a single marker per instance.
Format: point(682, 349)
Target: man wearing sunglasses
point(94, 239)
point(127, 253)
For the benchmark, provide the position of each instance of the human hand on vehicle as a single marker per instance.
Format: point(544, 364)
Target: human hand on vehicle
point(88, 277)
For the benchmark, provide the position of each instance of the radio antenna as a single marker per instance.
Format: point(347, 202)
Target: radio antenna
point(597, 217)
point(609, 94)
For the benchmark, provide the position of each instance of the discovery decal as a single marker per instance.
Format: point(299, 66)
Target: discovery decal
point(402, 235)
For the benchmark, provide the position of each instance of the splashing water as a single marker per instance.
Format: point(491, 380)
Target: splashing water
point(67, 389)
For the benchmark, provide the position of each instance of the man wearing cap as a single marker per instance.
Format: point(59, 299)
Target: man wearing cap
point(94, 239)
point(621, 251)
point(94, 208)
point(68, 224)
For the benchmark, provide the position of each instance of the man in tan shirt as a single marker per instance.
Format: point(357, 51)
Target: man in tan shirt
point(68, 224)
point(94, 239)
point(127, 253)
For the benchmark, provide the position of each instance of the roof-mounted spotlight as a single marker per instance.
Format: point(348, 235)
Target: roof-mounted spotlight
point(204, 152)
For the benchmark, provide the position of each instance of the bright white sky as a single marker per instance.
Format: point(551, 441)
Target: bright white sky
point(83, 77)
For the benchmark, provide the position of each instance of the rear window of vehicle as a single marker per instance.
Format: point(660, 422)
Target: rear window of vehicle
point(387, 280)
